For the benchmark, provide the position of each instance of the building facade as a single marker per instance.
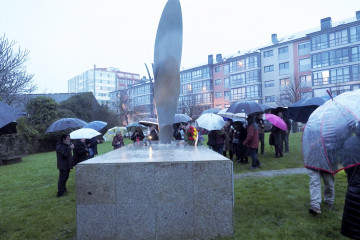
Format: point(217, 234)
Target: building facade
point(101, 81)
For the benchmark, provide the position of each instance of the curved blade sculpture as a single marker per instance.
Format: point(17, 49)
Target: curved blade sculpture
point(167, 58)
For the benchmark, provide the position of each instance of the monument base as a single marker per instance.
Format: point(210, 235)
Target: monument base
point(157, 192)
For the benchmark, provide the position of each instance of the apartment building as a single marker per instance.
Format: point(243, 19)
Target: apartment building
point(101, 81)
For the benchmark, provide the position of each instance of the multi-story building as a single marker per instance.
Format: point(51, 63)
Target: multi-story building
point(196, 90)
point(134, 102)
point(101, 81)
point(221, 82)
point(335, 56)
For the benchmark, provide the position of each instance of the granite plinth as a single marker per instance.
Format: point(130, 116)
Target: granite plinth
point(158, 192)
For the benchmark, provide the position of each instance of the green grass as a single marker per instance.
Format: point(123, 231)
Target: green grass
point(265, 208)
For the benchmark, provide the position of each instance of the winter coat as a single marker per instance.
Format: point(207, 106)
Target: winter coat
point(229, 132)
point(212, 138)
point(117, 142)
point(154, 135)
point(350, 225)
point(137, 135)
point(64, 156)
point(277, 132)
point(92, 143)
point(81, 152)
point(220, 137)
point(252, 138)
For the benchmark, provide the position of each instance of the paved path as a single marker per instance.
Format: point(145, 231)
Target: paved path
point(271, 173)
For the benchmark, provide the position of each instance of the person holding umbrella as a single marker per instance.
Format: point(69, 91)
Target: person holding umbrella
point(278, 139)
point(137, 135)
point(118, 141)
point(81, 151)
point(252, 142)
point(64, 162)
point(154, 133)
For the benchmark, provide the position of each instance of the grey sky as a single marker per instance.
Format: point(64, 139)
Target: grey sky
point(67, 37)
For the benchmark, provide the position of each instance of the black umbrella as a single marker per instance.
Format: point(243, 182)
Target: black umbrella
point(247, 107)
point(8, 128)
point(8, 114)
point(301, 110)
point(131, 127)
point(266, 108)
point(66, 123)
point(211, 110)
point(149, 121)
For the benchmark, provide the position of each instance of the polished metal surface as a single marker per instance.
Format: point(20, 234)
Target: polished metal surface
point(167, 59)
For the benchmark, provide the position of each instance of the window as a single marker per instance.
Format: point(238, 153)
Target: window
point(196, 74)
point(355, 34)
point(253, 91)
point(268, 53)
point(270, 98)
point(252, 76)
point(218, 94)
point(269, 68)
point(356, 73)
point(283, 52)
point(226, 82)
point(320, 60)
point(305, 78)
point(303, 48)
point(284, 68)
point(226, 69)
point(238, 79)
point(355, 56)
point(238, 93)
point(237, 65)
point(218, 82)
point(251, 62)
point(339, 56)
point(227, 95)
point(218, 69)
point(284, 81)
point(196, 87)
point(338, 38)
point(270, 83)
point(339, 75)
point(319, 42)
point(304, 65)
point(207, 98)
point(321, 78)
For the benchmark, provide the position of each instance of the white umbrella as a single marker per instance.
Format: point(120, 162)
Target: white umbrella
point(210, 121)
point(86, 133)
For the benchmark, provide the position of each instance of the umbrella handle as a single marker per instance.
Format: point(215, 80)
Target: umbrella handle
point(330, 94)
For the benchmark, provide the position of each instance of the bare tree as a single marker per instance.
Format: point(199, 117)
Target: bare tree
point(13, 76)
point(292, 92)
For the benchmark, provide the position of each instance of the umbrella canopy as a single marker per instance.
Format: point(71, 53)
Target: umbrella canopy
point(247, 107)
point(180, 118)
point(96, 125)
point(109, 135)
point(276, 121)
point(84, 133)
point(233, 116)
point(66, 123)
point(211, 110)
point(149, 121)
point(301, 110)
point(210, 121)
point(132, 126)
point(8, 128)
point(266, 108)
point(327, 132)
point(12, 114)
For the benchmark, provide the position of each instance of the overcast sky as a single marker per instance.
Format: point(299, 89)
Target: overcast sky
point(67, 37)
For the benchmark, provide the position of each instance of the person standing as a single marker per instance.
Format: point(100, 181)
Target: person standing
point(261, 125)
point(138, 135)
point(285, 134)
point(118, 141)
point(315, 177)
point(81, 151)
point(239, 138)
point(252, 142)
point(277, 132)
point(229, 135)
point(64, 162)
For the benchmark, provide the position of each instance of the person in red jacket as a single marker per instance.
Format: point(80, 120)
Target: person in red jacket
point(252, 142)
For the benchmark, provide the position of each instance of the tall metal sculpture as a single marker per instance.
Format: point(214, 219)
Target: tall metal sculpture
point(167, 59)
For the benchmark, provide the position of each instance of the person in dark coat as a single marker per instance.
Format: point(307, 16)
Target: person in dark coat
point(81, 152)
point(229, 133)
point(212, 140)
point(261, 125)
point(277, 132)
point(350, 225)
point(154, 133)
point(64, 162)
point(137, 135)
point(118, 141)
point(240, 149)
point(92, 146)
point(285, 134)
point(252, 142)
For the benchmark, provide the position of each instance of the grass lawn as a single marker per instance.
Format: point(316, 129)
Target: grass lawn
point(265, 208)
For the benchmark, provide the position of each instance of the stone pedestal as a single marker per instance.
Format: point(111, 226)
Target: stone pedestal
point(157, 192)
